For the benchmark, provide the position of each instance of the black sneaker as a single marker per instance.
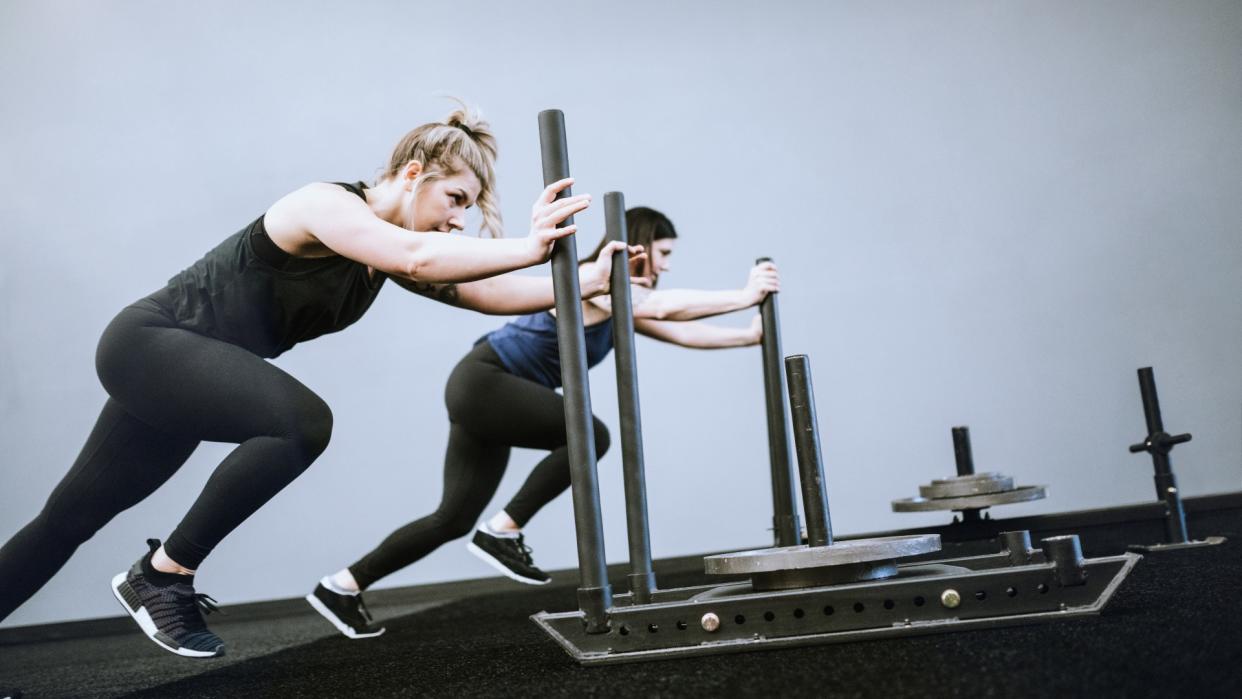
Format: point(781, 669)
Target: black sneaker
point(347, 613)
point(509, 555)
point(171, 615)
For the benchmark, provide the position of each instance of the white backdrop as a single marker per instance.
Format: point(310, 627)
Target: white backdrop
point(985, 213)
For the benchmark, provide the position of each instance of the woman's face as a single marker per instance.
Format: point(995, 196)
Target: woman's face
point(440, 204)
point(660, 251)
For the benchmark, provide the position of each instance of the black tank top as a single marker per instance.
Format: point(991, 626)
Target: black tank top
point(249, 292)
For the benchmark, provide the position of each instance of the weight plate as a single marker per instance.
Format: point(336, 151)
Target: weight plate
point(840, 553)
point(977, 484)
point(1024, 493)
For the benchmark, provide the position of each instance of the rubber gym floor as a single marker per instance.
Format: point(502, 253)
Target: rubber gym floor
point(1174, 628)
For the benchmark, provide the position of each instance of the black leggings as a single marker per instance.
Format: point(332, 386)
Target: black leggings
point(170, 388)
point(490, 410)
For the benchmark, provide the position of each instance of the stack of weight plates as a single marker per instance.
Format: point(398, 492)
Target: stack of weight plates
point(973, 492)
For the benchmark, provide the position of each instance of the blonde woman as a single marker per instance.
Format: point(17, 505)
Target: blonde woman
point(187, 363)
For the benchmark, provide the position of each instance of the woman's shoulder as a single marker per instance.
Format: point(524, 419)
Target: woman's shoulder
point(357, 189)
point(292, 218)
point(530, 324)
point(327, 192)
point(315, 200)
point(596, 310)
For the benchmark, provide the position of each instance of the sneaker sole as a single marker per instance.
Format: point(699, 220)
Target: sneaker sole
point(340, 625)
point(501, 567)
point(121, 590)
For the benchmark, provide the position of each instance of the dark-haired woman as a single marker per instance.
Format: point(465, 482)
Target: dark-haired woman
point(502, 395)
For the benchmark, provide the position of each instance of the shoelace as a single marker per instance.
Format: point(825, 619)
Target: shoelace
point(193, 606)
point(206, 603)
point(524, 550)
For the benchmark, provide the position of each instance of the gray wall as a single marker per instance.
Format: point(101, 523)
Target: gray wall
point(987, 213)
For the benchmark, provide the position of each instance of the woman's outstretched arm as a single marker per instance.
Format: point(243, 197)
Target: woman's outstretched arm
point(699, 335)
point(691, 304)
point(345, 225)
point(512, 294)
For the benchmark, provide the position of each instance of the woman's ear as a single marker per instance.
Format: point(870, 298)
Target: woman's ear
point(411, 172)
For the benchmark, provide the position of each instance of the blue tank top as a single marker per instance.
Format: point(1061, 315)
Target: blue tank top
point(527, 347)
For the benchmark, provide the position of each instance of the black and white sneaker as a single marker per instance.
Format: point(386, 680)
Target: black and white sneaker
point(508, 554)
point(170, 614)
point(347, 613)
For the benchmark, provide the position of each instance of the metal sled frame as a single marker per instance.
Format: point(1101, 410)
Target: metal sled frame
point(1015, 586)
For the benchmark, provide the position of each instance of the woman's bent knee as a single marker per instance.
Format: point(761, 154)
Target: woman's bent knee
point(454, 525)
point(602, 439)
point(311, 428)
